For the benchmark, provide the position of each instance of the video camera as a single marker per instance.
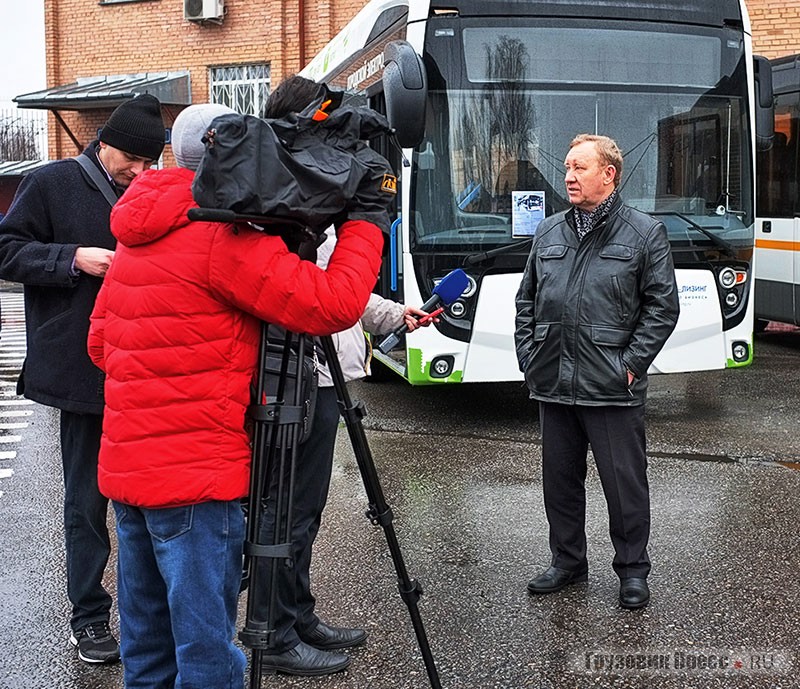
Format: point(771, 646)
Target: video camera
point(296, 175)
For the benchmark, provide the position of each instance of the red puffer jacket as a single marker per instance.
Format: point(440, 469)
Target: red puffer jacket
point(176, 328)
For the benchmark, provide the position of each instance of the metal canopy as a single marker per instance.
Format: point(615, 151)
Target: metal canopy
point(20, 168)
point(89, 93)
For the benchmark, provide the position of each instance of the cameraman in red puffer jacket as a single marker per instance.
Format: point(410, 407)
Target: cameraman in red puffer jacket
point(176, 329)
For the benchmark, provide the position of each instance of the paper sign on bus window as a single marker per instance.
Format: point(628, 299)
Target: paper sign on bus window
point(527, 211)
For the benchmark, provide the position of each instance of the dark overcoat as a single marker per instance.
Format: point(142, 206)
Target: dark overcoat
point(57, 209)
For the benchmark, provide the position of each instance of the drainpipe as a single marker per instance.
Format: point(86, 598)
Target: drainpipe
point(301, 31)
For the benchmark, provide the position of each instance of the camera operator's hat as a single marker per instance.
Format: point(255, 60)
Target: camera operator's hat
point(191, 125)
point(136, 127)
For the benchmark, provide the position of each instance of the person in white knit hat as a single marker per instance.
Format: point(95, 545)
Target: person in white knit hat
point(188, 131)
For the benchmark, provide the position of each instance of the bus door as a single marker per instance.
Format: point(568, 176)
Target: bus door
point(778, 225)
point(778, 269)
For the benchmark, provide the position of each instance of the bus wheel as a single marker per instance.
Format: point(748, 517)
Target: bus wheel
point(760, 325)
point(379, 373)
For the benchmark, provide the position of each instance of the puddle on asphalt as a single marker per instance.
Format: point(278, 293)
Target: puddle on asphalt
point(723, 459)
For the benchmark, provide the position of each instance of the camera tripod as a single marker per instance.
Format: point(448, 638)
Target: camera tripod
point(278, 427)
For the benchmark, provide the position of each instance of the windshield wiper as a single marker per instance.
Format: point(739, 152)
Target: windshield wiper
point(474, 259)
point(716, 240)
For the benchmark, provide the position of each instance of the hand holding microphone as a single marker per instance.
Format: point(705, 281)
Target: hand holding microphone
point(417, 318)
point(449, 288)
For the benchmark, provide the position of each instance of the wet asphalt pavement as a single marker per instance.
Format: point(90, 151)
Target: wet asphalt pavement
point(460, 466)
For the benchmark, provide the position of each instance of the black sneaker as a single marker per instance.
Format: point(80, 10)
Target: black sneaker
point(96, 643)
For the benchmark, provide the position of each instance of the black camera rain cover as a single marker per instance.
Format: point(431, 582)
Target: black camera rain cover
point(298, 167)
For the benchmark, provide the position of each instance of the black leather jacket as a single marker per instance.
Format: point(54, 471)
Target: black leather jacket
point(587, 312)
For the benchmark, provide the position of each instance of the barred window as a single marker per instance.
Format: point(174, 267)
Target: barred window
point(242, 87)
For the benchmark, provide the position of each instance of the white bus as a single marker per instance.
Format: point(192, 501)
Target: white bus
point(486, 96)
point(777, 295)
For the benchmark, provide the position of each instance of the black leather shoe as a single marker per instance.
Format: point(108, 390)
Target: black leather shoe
point(304, 660)
point(554, 579)
point(327, 638)
point(633, 593)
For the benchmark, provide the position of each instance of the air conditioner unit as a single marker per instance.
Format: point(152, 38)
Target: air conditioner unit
point(203, 10)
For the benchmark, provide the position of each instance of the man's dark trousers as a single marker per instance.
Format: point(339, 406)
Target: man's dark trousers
point(85, 509)
point(616, 435)
point(293, 613)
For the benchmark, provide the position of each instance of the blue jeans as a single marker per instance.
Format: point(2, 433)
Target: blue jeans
point(177, 587)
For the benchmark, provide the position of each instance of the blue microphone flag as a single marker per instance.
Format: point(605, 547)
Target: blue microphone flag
point(452, 286)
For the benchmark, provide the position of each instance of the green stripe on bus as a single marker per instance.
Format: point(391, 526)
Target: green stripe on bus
point(419, 375)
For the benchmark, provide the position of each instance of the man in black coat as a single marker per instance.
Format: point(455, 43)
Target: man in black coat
point(597, 302)
point(56, 241)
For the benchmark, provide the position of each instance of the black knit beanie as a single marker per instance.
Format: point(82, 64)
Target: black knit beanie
point(136, 127)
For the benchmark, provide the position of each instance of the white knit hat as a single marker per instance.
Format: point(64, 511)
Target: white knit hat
point(189, 129)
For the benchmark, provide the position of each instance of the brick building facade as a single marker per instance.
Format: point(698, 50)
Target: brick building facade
point(110, 37)
point(776, 27)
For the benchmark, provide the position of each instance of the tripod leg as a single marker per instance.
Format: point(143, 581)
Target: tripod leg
point(380, 514)
point(275, 441)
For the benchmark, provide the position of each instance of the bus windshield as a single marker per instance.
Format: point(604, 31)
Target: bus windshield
point(505, 102)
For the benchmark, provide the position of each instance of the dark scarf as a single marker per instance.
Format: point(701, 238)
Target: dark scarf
point(586, 222)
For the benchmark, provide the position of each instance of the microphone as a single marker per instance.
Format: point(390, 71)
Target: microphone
point(450, 288)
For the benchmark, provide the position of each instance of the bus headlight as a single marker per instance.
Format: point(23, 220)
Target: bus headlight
point(732, 281)
point(732, 277)
point(472, 287)
point(457, 309)
point(741, 351)
point(727, 278)
point(442, 366)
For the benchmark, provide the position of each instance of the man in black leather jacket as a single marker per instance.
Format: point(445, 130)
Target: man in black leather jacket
point(597, 302)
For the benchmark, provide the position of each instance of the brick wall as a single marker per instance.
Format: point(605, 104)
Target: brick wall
point(90, 38)
point(776, 27)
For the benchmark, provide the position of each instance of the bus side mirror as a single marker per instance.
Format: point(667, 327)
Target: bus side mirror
point(764, 102)
point(405, 87)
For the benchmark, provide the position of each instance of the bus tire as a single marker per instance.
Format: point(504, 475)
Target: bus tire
point(379, 373)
